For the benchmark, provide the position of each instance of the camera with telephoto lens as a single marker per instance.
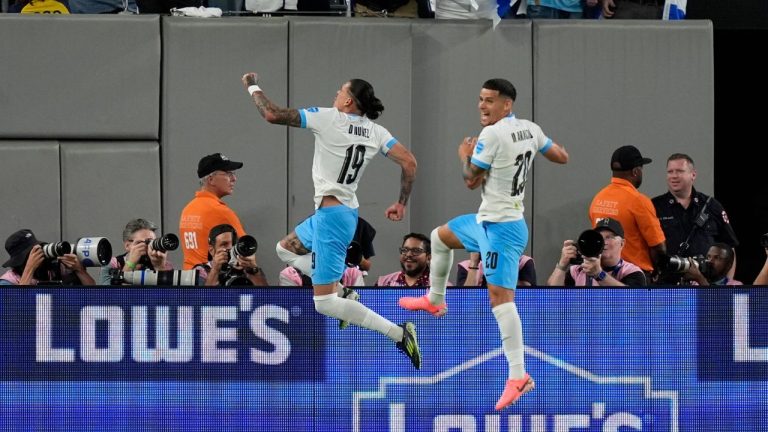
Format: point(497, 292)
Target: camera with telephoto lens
point(168, 242)
point(681, 264)
point(56, 249)
point(155, 278)
point(245, 246)
point(90, 251)
point(93, 251)
point(590, 244)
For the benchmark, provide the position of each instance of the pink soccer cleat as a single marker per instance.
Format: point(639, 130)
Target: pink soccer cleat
point(513, 390)
point(422, 304)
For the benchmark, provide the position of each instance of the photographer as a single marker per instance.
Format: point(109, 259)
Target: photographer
point(714, 270)
point(139, 255)
point(221, 239)
point(606, 269)
point(29, 265)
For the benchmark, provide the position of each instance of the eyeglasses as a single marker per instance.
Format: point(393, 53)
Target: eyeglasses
point(413, 251)
point(230, 174)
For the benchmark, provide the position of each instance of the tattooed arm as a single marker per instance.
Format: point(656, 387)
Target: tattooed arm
point(271, 112)
point(403, 157)
point(473, 174)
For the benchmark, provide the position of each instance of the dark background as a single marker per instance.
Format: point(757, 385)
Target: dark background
point(740, 45)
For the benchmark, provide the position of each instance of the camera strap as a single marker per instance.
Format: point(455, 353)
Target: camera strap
point(699, 222)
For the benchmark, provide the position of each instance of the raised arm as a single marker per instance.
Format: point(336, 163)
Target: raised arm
point(403, 157)
point(271, 112)
point(473, 174)
point(556, 153)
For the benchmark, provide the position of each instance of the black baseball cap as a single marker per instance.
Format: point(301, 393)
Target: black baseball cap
point(18, 246)
point(627, 157)
point(216, 162)
point(611, 225)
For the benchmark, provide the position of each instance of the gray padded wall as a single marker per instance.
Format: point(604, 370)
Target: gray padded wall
point(29, 172)
point(207, 110)
point(325, 54)
point(106, 184)
point(599, 86)
point(79, 77)
point(451, 60)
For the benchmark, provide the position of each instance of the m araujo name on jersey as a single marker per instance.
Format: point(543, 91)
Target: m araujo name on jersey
point(174, 336)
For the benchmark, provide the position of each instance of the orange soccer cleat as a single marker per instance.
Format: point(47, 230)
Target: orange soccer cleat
point(422, 304)
point(513, 390)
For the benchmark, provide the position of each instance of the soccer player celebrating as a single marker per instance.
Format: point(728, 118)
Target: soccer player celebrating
point(499, 160)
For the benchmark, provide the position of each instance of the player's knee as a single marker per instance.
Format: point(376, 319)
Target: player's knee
point(327, 305)
point(437, 242)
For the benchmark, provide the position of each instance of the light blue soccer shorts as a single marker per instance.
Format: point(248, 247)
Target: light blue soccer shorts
point(327, 233)
point(500, 245)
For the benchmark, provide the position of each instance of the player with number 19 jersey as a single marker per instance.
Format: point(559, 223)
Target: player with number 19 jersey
point(506, 149)
point(344, 145)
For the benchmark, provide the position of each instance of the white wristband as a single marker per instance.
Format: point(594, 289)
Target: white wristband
point(253, 89)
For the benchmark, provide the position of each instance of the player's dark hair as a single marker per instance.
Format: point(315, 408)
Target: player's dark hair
point(424, 240)
point(367, 102)
point(504, 87)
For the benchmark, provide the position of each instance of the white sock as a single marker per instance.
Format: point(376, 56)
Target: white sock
point(358, 314)
point(301, 262)
point(511, 338)
point(439, 267)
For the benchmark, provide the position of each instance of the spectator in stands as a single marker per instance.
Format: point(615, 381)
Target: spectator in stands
point(139, 255)
point(39, 7)
point(103, 6)
point(206, 210)
point(218, 271)
point(633, 9)
point(470, 272)
point(415, 254)
point(558, 9)
point(720, 260)
point(691, 220)
point(607, 269)
point(621, 201)
point(29, 266)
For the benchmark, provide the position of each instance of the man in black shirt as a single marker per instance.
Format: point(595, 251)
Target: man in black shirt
point(689, 230)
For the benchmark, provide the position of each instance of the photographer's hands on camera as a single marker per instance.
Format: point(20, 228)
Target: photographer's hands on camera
point(135, 258)
point(34, 260)
point(693, 273)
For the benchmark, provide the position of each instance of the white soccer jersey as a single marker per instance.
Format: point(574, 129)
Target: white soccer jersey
point(506, 150)
point(344, 144)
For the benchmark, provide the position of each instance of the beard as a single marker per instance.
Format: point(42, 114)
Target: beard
point(415, 272)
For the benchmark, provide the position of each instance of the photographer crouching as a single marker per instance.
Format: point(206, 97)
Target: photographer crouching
point(232, 259)
point(143, 251)
point(595, 259)
point(33, 262)
point(705, 271)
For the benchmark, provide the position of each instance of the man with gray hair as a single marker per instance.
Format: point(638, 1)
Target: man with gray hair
point(139, 255)
point(206, 210)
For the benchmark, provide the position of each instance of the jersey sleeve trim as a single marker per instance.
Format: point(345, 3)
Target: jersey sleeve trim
point(546, 147)
point(388, 146)
point(303, 115)
point(480, 163)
